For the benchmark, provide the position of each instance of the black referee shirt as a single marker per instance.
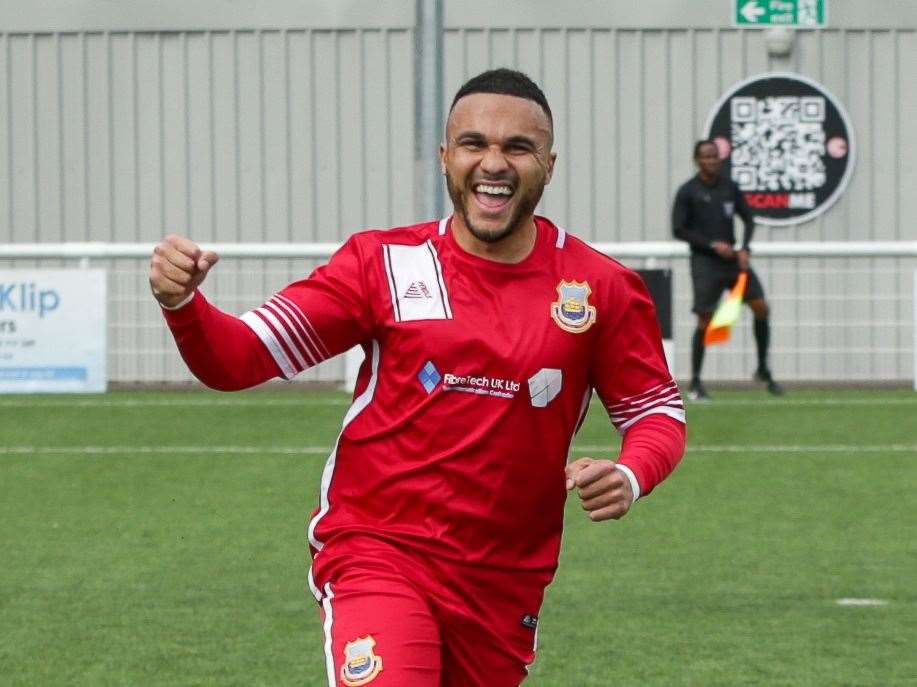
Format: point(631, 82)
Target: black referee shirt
point(703, 214)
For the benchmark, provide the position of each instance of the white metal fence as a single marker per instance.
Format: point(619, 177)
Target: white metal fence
point(298, 120)
point(826, 326)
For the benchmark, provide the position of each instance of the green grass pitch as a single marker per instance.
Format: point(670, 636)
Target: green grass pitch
point(158, 539)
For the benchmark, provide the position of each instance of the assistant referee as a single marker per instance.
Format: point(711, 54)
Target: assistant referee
point(702, 215)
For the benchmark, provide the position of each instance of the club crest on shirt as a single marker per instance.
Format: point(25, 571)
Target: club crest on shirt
point(361, 664)
point(571, 311)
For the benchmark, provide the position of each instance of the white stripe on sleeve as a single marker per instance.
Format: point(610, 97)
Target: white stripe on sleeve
point(257, 325)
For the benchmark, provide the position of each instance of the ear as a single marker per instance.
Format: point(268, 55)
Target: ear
point(442, 158)
point(550, 168)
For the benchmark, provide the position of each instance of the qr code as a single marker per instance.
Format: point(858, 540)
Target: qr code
point(778, 143)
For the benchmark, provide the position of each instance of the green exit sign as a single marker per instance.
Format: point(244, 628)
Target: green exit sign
point(798, 13)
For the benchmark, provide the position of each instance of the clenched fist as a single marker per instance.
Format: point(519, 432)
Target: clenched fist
point(177, 268)
point(604, 490)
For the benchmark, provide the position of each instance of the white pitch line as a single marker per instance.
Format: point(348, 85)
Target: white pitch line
point(307, 400)
point(798, 448)
point(174, 403)
point(861, 602)
point(297, 450)
point(723, 402)
point(106, 450)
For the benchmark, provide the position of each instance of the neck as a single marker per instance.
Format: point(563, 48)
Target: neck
point(708, 179)
point(511, 249)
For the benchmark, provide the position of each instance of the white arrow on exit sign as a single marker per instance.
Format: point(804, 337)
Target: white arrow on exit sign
point(751, 11)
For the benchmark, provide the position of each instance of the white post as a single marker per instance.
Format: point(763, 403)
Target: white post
point(428, 94)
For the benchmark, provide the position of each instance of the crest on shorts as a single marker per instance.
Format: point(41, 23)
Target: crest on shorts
point(571, 311)
point(361, 664)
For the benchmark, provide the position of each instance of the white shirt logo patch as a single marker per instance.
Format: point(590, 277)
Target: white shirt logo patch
point(417, 289)
point(544, 386)
point(416, 283)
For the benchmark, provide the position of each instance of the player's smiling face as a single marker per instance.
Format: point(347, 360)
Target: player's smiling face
point(497, 160)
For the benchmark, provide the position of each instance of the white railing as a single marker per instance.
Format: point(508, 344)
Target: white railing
point(843, 311)
point(627, 249)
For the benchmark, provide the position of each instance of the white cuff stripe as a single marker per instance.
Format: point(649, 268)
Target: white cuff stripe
point(179, 306)
point(632, 478)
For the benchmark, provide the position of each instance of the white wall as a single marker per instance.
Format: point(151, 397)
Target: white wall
point(277, 121)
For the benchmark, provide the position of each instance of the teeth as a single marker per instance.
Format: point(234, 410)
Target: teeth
point(495, 190)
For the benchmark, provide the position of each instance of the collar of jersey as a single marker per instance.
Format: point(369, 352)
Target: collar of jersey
point(546, 234)
point(700, 181)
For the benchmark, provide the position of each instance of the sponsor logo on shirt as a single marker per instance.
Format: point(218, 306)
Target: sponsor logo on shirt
point(481, 385)
point(417, 289)
point(544, 386)
point(571, 311)
point(361, 663)
point(429, 377)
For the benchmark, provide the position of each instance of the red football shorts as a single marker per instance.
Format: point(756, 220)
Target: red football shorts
point(394, 619)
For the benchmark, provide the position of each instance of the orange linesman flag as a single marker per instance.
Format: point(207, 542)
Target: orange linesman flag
point(727, 312)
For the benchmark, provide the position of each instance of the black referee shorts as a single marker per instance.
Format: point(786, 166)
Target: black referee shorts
point(712, 275)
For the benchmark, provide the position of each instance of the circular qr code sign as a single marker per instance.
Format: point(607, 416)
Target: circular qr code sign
point(787, 143)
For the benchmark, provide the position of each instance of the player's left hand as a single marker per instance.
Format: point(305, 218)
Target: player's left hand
point(604, 490)
point(743, 257)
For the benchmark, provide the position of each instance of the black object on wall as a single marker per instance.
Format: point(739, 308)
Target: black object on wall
point(659, 283)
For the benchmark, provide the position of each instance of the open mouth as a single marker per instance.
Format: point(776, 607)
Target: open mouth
point(494, 196)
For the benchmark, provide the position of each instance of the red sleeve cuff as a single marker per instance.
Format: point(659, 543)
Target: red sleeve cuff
point(189, 312)
point(219, 349)
point(652, 448)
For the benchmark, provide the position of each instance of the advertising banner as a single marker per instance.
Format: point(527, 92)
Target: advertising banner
point(788, 144)
point(52, 330)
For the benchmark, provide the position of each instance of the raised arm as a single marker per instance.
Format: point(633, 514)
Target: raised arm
point(301, 325)
point(219, 349)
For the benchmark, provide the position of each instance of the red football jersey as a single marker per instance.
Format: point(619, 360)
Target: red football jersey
point(477, 375)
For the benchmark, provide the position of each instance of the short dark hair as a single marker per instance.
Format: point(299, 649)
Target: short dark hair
point(703, 142)
point(504, 82)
